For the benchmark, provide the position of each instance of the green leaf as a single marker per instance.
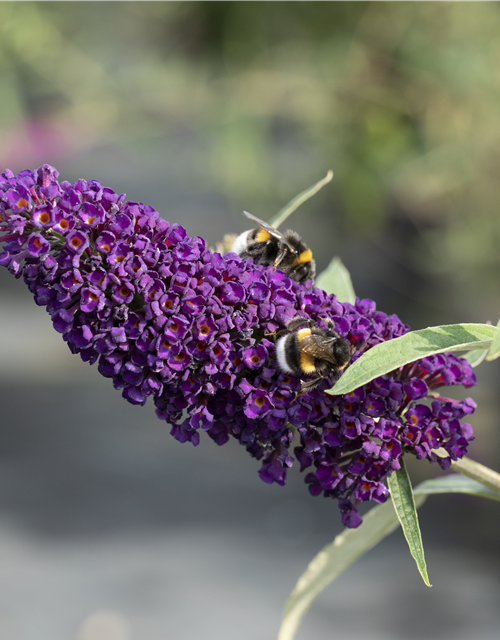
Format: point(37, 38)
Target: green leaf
point(494, 351)
point(390, 355)
point(475, 357)
point(402, 496)
point(336, 279)
point(455, 483)
point(295, 203)
point(335, 558)
point(351, 544)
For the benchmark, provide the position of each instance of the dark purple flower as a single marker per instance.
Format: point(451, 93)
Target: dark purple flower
point(77, 241)
point(37, 245)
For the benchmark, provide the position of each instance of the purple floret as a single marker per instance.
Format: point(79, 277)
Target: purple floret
point(165, 317)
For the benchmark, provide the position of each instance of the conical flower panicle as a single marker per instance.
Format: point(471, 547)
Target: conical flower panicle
point(165, 317)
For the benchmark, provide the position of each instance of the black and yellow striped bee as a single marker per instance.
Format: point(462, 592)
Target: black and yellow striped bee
point(268, 246)
point(312, 351)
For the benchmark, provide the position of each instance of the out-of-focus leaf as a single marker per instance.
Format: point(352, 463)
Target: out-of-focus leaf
point(295, 203)
point(494, 351)
point(390, 355)
point(404, 503)
point(455, 483)
point(335, 558)
point(476, 356)
point(336, 279)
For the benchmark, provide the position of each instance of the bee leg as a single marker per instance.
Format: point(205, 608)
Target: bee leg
point(329, 323)
point(278, 334)
point(282, 253)
point(308, 386)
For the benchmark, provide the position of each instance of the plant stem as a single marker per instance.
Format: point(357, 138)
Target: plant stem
point(479, 472)
point(474, 470)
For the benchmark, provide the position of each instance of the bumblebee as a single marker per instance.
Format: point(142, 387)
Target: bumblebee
point(312, 351)
point(268, 246)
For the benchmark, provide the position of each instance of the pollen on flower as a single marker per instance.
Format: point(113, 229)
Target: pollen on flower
point(166, 318)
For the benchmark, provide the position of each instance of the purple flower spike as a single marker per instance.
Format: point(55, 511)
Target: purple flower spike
point(165, 317)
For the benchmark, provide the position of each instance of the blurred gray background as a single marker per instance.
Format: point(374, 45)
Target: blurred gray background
point(110, 529)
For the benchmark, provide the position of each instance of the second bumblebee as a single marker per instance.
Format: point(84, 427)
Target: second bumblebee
point(268, 246)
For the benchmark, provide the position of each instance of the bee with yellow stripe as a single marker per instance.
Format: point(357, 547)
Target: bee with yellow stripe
point(312, 351)
point(268, 246)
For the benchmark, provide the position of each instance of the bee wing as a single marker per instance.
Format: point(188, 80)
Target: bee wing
point(319, 347)
point(271, 230)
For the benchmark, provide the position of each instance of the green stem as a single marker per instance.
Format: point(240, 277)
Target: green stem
point(283, 214)
point(474, 470)
point(479, 472)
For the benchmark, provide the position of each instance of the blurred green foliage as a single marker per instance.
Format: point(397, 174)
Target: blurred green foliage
point(399, 99)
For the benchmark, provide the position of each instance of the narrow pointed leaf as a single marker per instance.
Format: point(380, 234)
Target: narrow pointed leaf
point(287, 210)
point(494, 351)
point(335, 558)
point(476, 356)
point(404, 504)
point(336, 279)
point(455, 483)
point(390, 355)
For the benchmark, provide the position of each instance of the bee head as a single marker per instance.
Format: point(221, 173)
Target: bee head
point(342, 352)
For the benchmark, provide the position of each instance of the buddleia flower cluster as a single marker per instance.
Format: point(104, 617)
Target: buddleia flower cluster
point(163, 316)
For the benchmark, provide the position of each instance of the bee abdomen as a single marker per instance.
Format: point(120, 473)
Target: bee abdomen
point(240, 244)
point(287, 354)
point(291, 358)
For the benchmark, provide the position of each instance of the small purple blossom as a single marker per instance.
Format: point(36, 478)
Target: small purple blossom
point(165, 317)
